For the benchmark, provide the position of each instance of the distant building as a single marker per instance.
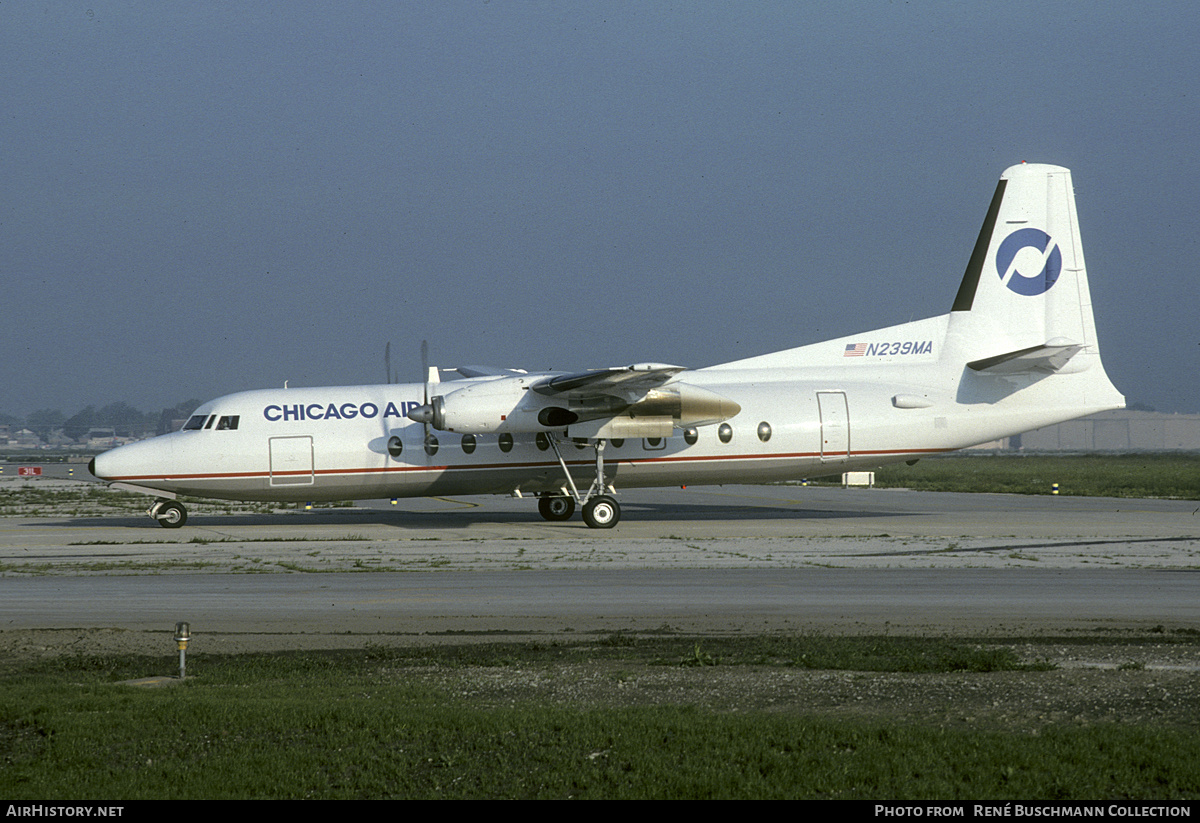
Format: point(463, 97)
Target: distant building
point(58, 440)
point(1111, 431)
point(101, 438)
point(19, 439)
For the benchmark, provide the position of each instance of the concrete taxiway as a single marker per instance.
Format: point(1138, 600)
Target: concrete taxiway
point(724, 559)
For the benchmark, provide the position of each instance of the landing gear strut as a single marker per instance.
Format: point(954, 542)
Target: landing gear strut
point(600, 510)
point(170, 514)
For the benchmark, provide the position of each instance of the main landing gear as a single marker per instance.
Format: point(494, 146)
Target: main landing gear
point(170, 514)
point(556, 508)
point(600, 510)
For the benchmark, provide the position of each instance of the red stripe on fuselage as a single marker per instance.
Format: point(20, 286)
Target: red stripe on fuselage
point(538, 465)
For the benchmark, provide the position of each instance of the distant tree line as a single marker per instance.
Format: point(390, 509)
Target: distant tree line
point(124, 419)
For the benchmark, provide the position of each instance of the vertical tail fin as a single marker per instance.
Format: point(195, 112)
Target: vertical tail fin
point(1023, 306)
point(1026, 283)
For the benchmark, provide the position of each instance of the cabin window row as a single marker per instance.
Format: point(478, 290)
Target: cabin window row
point(470, 442)
point(725, 433)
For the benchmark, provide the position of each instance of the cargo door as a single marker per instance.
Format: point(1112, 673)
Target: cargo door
point(835, 426)
point(291, 461)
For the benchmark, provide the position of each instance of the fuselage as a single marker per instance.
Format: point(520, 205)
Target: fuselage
point(355, 442)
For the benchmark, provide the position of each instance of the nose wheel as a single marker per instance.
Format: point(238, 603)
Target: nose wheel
point(170, 514)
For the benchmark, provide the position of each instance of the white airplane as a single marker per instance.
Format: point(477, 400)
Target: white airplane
point(1017, 351)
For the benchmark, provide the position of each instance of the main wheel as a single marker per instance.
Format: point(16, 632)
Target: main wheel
point(556, 508)
point(171, 515)
point(601, 512)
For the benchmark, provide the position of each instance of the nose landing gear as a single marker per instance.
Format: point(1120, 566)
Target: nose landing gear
point(170, 514)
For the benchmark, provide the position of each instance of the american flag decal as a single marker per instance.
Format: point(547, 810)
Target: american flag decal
point(855, 350)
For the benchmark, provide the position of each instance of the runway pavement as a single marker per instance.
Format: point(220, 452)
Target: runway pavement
point(713, 559)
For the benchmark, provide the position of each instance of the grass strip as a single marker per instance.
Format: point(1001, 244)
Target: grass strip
point(367, 724)
point(1153, 475)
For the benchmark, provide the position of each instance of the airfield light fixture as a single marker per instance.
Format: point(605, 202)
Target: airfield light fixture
point(182, 636)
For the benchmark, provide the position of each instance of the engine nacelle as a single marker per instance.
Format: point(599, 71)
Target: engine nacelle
point(685, 404)
point(506, 405)
point(479, 408)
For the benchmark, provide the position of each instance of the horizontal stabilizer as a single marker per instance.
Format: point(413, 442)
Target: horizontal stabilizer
point(1049, 357)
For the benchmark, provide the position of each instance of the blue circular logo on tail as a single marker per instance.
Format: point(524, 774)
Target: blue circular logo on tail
point(1033, 283)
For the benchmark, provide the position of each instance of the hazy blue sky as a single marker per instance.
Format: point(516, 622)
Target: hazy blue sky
point(200, 198)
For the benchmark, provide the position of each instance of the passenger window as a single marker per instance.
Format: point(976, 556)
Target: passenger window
point(725, 433)
point(506, 442)
point(468, 443)
point(654, 443)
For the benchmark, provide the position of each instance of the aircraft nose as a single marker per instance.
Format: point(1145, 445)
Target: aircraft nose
point(137, 462)
point(107, 464)
point(104, 468)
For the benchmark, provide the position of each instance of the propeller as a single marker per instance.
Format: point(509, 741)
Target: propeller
point(425, 369)
point(429, 411)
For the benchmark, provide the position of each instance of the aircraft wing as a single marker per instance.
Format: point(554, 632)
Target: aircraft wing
point(629, 401)
point(481, 371)
point(637, 379)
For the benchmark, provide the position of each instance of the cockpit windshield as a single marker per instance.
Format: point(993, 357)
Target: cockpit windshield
point(227, 422)
point(196, 421)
